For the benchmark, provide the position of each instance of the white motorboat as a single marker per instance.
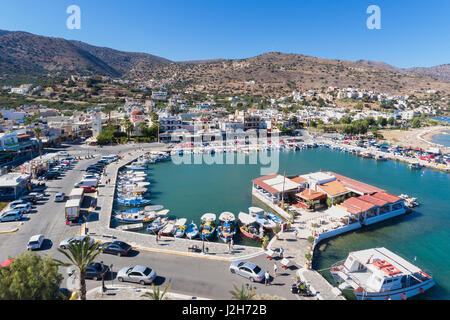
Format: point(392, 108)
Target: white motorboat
point(379, 274)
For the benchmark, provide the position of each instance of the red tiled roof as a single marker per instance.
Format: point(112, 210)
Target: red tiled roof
point(298, 179)
point(372, 199)
point(260, 182)
point(356, 185)
point(357, 204)
point(386, 197)
point(309, 194)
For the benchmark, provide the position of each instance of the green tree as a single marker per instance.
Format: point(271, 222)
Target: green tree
point(242, 293)
point(80, 255)
point(391, 121)
point(156, 293)
point(30, 277)
point(144, 129)
point(128, 126)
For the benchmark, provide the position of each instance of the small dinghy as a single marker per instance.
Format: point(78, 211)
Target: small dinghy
point(154, 208)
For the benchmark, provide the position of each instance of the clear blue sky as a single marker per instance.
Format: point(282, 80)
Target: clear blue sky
point(414, 33)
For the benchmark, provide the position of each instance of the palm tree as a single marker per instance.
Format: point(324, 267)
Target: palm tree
point(80, 255)
point(156, 293)
point(242, 293)
point(37, 133)
point(143, 128)
point(127, 125)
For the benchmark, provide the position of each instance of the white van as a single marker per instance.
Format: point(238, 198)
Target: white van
point(87, 183)
point(35, 242)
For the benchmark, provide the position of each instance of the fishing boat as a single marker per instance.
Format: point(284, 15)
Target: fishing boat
point(415, 165)
point(227, 227)
point(168, 229)
point(249, 227)
point(192, 231)
point(156, 225)
point(133, 201)
point(207, 226)
point(379, 274)
point(180, 228)
point(162, 213)
point(135, 217)
point(132, 227)
point(259, 214)
point(410, 202)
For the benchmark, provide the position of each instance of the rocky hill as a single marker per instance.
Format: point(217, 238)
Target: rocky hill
point(270, 74)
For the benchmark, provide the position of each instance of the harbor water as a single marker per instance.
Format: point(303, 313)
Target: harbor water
point(190, 190)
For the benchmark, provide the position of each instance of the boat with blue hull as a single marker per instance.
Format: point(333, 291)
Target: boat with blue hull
point(208, 226)
point(227, 228)
point(192, 231)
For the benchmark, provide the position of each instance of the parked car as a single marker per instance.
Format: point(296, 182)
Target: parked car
point(248, 270)
point(15, 203)
point(137, 274)
point(63, 153)
point(35, 242)
point(23, 207)
point(37, 195)
point(11, 215)
point(119, 248)
point(60, 197)
point(98, 171)
point(96, 271)
point(52, 175)
point(30, 199)
point(89, 189)
point(65, 243)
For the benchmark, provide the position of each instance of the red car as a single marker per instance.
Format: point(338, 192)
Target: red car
point(88, 189)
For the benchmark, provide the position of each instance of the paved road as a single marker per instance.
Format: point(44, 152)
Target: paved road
point(187, 275)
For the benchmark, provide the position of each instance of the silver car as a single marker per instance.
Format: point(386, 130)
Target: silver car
point(137, 274)
point(248, 270)
point(65, 243)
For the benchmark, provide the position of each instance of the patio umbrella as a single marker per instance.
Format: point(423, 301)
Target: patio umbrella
point(7, 263)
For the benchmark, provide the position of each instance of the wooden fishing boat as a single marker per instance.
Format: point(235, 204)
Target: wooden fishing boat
point(249, 227)
point(227, 228)
point(192, 231)
point(207, 226)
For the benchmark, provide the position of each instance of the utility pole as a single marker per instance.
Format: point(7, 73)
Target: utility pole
point(282, 193)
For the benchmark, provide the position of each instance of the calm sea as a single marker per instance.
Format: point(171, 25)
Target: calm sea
point(189, 191)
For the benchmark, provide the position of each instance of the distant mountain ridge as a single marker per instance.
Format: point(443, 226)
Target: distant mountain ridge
point(26, 54)
point(439, 72)
point(22, 52)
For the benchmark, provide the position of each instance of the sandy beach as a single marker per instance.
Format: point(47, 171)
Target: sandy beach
point(416, 138)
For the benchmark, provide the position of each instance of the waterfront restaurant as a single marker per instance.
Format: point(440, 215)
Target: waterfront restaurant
point(274, 187)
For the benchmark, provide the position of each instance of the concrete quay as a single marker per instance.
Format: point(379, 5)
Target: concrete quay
point(98, 225)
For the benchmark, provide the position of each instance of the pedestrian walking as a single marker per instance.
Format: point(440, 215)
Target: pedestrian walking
point(267, 277)
point(281, 253)
point(275, 268)
point(157, 236)
point(295, 233)
point(231, 244)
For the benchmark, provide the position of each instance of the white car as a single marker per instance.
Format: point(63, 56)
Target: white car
point(63, 153)
point(35, 242)
point(60, 197)
point(65, 243)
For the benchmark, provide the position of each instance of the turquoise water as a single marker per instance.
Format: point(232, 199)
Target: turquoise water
point(442, 138)
point(191, 190)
